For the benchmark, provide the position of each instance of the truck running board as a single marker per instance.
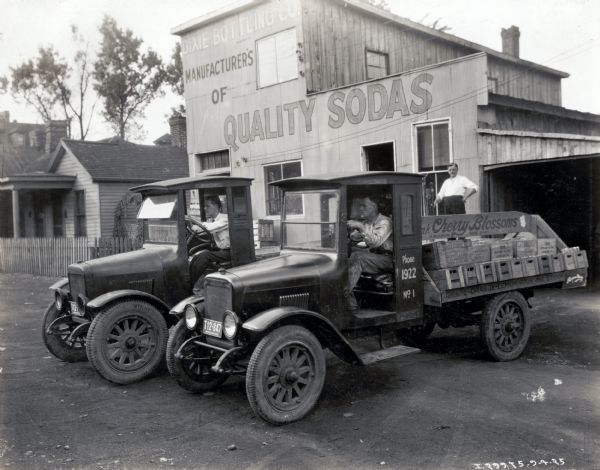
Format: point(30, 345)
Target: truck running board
point(387, 353)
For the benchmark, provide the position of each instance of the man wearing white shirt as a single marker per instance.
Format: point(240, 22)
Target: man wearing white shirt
point(217, 224)
point(455, 191)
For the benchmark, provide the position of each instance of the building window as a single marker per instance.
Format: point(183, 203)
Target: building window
point(492, 84)
point(277, 58)
point(80, 225)
point(433, 158)
point(213, 161)
point(273, 193)
point(377, 64)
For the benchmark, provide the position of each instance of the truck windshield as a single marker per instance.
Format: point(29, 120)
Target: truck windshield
point(159, 217)
point(314, 227)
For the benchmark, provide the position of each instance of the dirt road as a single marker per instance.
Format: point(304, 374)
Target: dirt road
point(446, 408)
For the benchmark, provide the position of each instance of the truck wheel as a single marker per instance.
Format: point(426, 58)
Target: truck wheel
point(192, 373)
point(57, 341)
point(127, 342)
point(505, 326)
point(415, 336)
point(285, 375)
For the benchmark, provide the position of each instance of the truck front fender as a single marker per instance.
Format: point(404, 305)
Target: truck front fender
point(59, 284)
point(329, 336)
point(110, 297)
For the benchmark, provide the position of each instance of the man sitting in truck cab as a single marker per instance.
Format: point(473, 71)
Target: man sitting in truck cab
point(218, 225)
point(373, 252)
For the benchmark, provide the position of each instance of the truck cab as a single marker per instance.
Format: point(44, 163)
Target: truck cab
point(114, 310)
point(286, 310)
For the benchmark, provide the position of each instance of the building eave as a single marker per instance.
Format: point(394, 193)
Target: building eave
point(37, 181)
point(214, 16)
point(542, 108)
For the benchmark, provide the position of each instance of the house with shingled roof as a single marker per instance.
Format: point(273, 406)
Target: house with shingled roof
point(76, 190)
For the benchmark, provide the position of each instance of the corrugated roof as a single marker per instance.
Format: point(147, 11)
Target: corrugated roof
point(126, 161)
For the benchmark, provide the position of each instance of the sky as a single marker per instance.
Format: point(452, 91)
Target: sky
point(561, 34)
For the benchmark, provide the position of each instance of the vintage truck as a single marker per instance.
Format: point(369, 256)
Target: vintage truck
point(114, 310)
point(272, 320)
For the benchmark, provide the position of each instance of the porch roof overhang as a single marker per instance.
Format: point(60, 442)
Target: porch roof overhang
point(37, 181)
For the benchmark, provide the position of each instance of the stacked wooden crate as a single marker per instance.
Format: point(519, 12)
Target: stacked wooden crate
point(460, 263)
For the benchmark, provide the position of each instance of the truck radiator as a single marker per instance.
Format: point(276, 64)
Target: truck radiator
point(294, 300)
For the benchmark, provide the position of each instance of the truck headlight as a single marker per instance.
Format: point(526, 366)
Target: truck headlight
point(82, 301)
point(191, 317)
point(59, 300)
point(230, 324)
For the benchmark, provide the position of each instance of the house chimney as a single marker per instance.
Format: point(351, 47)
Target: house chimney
point(55, 130)
point(510, 41)
point(178, 131)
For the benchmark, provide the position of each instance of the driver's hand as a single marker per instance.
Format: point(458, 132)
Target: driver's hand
point(196, 229)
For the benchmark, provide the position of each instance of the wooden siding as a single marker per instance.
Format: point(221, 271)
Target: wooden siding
point(502, 118)
point(497, 147)
point(335, 39)
point(69, 165)
point(110, 194)
point(525, 83)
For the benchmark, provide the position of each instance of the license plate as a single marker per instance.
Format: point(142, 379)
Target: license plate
point(212, 328)
point(75, 309)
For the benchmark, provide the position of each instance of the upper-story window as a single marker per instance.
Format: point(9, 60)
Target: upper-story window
point(277, 61)
point(18, 140)
point(433, 158)
point(377, 64)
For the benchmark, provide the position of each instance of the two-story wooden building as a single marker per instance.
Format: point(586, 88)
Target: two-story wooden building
point(279, 88)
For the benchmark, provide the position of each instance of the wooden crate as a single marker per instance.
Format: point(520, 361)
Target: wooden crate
point(546, 246)
point(446, 254)
point(471, 274)
point(479, 252)
point(581, 259)
point(544, 264)
point(569, 260)
point(449, 278)
point(503, 269)
point(487, 272)
point(557, 263)
point(525, 248)
point(516, 267)
point(530, 267)
point(501, 249)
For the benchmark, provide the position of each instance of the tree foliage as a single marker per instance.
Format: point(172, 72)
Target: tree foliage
point(174, 71)
point(41, 82)
point(46, 83)
point(127, 80)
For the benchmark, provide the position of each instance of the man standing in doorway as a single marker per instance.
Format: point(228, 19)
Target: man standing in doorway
point(455, 191)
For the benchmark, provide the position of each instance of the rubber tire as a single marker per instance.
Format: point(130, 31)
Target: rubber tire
point(490, 312)
point(178, 370)
point(415, 336)
point(258, 368)
point(102, 326)
point(55, 344)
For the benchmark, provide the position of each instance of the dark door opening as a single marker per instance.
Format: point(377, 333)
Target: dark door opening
point(379, 157)
point(562, 192)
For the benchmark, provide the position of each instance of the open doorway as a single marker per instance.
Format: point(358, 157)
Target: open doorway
point(379, 157)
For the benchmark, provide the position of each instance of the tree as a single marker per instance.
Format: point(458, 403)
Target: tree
point(41, 82)
point(126, 79)
point(84, 77)
point(174, 78)
point(46, 83)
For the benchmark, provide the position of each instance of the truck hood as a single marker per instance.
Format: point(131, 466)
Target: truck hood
point(291, 270)
point(140, 269)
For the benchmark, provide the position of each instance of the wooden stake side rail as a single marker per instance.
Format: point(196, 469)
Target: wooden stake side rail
point(576, 277)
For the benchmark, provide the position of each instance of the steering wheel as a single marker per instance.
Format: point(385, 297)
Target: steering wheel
point(197, 241)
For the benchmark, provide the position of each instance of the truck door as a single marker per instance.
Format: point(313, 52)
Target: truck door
point(241, 232)
point(407, 251)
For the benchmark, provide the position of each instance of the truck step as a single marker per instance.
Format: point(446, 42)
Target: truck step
point(387, 353)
